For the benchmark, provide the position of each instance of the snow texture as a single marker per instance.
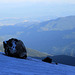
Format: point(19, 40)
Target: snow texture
point(13, 50)
point(5, 42)
point(31, 66)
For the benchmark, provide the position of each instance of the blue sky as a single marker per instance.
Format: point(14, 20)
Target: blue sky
point(36, 8)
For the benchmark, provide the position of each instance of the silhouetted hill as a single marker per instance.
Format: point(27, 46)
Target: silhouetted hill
point(64, 59)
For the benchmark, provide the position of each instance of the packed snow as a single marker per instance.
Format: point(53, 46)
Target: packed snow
point(31, 66)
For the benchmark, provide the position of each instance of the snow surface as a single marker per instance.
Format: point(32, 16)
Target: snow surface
point(31, 66)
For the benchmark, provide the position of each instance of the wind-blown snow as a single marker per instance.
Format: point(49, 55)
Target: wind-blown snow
point(30, 66)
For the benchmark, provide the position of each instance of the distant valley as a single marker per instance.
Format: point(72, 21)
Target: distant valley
point(55, 37)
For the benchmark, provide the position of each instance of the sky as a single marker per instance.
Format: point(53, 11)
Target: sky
point(36, 8)
point(52, 1)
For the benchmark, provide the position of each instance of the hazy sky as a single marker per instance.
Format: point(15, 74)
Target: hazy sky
point(36, 8)
point(52, 1)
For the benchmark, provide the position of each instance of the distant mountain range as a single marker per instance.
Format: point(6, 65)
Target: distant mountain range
point(55, 37)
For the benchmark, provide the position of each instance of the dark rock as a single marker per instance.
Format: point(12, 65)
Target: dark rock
point(47, 59)
point(14, 47)
point(56, 63)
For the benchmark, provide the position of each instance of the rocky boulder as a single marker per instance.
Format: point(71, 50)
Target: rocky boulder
point(47, 59)
point(14, 47)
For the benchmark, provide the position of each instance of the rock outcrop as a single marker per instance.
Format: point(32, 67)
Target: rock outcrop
point(47, 59)
point(15, 48)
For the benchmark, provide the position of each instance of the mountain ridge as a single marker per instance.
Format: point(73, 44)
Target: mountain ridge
point(58, 38)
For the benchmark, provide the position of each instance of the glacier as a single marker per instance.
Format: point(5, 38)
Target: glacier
point(31, 66)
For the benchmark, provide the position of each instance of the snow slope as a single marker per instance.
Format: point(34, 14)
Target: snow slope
point(31, 66)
